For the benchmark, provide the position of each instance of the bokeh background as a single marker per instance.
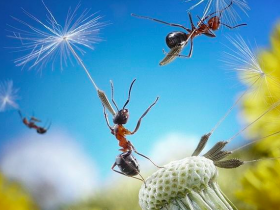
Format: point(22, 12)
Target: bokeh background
point(70, 166)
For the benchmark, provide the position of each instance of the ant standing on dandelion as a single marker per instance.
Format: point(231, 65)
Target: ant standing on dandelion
point(177, 40)
point(126, 162)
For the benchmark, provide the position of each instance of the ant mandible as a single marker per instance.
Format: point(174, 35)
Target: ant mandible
point(31, 123)
point(126, 162)
point(177, 40)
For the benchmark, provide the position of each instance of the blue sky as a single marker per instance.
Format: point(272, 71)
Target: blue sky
point(194, 93)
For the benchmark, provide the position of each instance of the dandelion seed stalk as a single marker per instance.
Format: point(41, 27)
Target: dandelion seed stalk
point(49, 40)
point(82, 64)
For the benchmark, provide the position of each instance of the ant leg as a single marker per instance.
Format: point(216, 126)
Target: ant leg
point(191, 21)
point(112, 88)
point(49, 125)
point(232, 27)
point(231, 2)
point(160, 21)
point(33, 118)
point(191, 49)
point(19, 112)
point(129, 93)
point(139, 121)
point(190, 53)
point(143, 155)
point(113, 168)
point(106, 118)
point(147, 158)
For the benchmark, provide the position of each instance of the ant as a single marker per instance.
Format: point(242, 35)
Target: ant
point(177, 40)
point(126, 162)
point(31, 123)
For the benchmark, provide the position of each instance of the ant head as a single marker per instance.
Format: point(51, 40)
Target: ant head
point(121, 117)
point(214, 23)
point(41, 130)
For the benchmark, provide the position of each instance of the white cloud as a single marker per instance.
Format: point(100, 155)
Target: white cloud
point(52, 167)
point(173, 146)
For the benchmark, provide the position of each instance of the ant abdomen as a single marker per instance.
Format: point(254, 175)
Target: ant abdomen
point(176, 38)
point(128, 164)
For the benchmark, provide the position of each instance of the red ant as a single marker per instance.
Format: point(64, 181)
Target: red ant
point(177, 40)
point(31, 123)
point(126, 162)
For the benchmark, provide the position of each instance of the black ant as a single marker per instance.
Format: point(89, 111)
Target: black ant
point(126, 162)
point(177, 40)
point(31, 123)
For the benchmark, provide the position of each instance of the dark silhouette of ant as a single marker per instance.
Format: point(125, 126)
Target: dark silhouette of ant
point(126, 162)
point(177, 40)
point(31, 123)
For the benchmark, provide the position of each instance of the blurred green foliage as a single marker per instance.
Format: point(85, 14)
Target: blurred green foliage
point(121, 194)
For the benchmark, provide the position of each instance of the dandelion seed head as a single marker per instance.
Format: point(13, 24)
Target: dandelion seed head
point(45, 41)
point(241, 59)
point(8, 96)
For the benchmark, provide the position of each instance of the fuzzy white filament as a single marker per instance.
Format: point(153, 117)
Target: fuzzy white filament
point(244, 61)
point(8, 96)
point(230, 15)
point(46, 41)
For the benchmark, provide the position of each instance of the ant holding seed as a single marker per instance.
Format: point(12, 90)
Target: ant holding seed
point(31, 123)
point(177, 40)
point(126, 162)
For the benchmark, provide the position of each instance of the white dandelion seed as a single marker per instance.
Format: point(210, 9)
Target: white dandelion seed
point(8, 96)
point(46, 41)
point(242, 60)
point(229, 15)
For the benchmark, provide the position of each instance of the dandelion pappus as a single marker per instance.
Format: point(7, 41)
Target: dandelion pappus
point(177, 40)
point(126, 162)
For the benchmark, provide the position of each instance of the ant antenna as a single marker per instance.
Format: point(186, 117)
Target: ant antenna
point(218, 11)
point(160, 21)
point(129, 93)
point(49, 125)
point(19, 112)
point(112, 88)
point(232, 27)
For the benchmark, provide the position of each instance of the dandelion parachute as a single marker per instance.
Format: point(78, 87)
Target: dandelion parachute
point(46, 41)
point(250, 70)
point(8, 96)
point(230, 15)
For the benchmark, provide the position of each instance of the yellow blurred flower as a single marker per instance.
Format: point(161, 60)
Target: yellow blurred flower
point(261, 182)
point(12, 197)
